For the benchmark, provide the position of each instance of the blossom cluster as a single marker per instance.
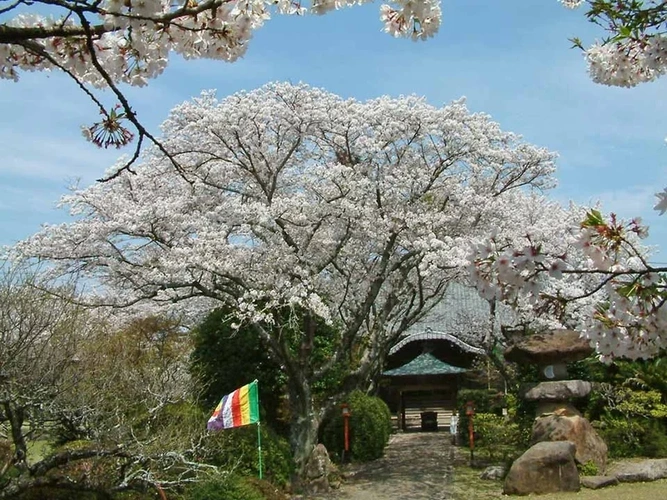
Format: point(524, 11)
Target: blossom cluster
point(629, 62)
point(625, 295)
point(131, 39)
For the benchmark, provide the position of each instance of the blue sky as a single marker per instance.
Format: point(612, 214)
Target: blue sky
point(510, 58)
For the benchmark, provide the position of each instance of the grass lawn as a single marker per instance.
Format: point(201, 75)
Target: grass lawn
point(468, 485)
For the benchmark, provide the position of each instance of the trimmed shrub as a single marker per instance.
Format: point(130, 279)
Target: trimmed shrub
point(485, 400)
point(370, 428)
point(496, 436)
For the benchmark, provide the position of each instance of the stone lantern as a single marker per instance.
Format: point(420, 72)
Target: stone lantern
point(557, 419)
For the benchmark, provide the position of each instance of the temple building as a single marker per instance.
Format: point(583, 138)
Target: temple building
point(428, 365)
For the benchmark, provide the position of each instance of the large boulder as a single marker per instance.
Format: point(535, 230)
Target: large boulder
point(634, 472)
point(549, 348)
point(544, 468)
point(557, 390)
point(576, 429)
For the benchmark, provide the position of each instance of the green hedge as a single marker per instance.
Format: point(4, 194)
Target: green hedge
point(370, 427)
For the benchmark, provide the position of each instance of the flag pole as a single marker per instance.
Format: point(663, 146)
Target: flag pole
point(259, 449)
point(259, 435)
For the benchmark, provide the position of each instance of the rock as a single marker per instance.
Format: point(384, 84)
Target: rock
point(318, 485)
point(559, 408)
point(494, 472)
point(318, 470)
point(549, 348)
point(596, 482)
point(557, 390)
point(544, 468)
point(575, 429)
point(646, 470)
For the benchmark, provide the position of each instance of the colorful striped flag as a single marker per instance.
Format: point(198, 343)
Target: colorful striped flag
point(241, 407)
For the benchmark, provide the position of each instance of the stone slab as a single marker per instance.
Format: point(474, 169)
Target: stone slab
point(597, 482)
point(551, 347)
point(635, 472)
point(557, 390)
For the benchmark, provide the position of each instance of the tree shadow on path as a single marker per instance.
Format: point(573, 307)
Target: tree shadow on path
point(415, 466)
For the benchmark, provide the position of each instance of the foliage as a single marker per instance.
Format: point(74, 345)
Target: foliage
point(634, 403)
point(590, 468)
point(128, 377)
point(60, 494)
point(623, 437)
point(484, 400)
point(236, 449)
point(634, 50)
point(634, 423)
point(496, 436)
point(228, 486)
point(224, 359)
point(90, 406)
point(370, 428)
point(597, 279)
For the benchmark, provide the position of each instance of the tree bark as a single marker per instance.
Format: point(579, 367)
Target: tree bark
point(304, 422)
point(16, 416)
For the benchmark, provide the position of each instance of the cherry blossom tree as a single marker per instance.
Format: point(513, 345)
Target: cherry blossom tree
point(355, 214)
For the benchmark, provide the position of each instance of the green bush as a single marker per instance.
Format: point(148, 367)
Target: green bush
point(227, 487)
point(496, 436)
point(633, 437)
point(237, 449)
point(590, 468)
point(224, 359)
point(654, 443)
point(58, 494)
point(485, 400)
point(635, 425)
point(370, 428)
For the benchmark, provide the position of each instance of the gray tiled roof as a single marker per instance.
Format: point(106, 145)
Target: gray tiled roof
point(464, 314)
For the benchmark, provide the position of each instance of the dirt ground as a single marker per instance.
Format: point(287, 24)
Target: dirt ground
point(416, 466)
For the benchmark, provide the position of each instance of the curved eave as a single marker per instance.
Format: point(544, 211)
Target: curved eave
point(431, 335)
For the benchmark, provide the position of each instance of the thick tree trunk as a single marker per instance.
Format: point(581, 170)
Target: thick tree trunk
point(16, 416)
point(304, 423)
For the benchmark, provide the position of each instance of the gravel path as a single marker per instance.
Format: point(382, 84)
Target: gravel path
point(416, 466)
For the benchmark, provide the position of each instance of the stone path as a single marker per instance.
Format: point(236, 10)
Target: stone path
point(415, 466)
